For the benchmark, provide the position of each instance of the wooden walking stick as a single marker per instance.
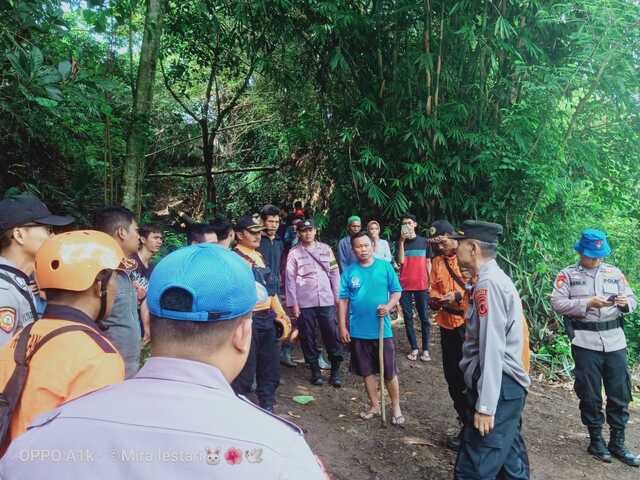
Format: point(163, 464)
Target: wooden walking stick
point(383, 413)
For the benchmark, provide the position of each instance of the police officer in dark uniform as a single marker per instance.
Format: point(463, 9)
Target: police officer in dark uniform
point(593, 296)
point(494, 358)
point(263, 363)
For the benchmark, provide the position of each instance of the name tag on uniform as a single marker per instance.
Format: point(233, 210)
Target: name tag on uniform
point(610, 285)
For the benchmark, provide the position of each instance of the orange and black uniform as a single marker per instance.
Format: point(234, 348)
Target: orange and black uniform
point(69, 365)
point(446, 278)
point(263, 362)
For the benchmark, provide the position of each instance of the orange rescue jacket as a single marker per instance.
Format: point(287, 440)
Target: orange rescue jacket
point(442, 283)
point(69, 365)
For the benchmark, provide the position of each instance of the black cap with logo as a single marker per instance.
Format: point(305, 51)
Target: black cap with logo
point(478, 230)
point(26, 208)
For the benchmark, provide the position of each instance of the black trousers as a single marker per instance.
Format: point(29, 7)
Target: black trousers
point(263, 363)
point(324, 319)
point(593, 369)
point(451, 341)
point(421, 298)
point(501, 454)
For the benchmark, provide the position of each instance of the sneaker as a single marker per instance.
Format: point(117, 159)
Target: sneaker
point(426, 356)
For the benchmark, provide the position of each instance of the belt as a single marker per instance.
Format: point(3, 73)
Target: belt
point(597, 326)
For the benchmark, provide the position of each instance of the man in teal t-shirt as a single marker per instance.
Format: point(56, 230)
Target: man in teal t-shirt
point(369, 289)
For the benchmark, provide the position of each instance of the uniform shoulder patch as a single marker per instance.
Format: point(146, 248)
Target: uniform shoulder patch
point(561, 279)
point(481, 301)
point(7, 319)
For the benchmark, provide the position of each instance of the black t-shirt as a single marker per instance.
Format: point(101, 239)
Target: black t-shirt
point(139, 275)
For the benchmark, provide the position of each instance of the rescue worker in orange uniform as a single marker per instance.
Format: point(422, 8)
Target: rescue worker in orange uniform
point(448, 299)
point(77, 272)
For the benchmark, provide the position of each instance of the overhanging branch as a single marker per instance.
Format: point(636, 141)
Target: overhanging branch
point(213, 172)
point(198, 137)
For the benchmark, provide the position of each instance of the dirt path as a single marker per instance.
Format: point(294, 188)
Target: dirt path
point(353, 449)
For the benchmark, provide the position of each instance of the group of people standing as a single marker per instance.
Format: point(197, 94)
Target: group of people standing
point(484, 334)
point(221, 314)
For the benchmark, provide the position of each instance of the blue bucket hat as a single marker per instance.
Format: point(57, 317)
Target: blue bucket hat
point(221, 284)
point(593, 244)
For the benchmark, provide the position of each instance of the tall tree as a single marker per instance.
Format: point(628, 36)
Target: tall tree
point(137, 140)
point(223, 48)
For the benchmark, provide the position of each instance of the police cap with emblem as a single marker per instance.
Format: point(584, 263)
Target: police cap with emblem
point(305, 225)
point(478, 230)
point(250, 223)
point(593, 244)
point(26, 208)
point(440, 227)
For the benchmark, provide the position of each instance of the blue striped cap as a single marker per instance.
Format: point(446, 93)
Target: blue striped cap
point(220, 282)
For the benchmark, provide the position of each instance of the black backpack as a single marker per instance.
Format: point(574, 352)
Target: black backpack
point(12, 393)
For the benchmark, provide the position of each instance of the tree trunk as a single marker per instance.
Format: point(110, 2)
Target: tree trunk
point(427, 51)
point(207, 156)
point(139, 129)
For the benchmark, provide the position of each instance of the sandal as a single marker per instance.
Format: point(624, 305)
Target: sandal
point(413, 356)
point(398, 421)
point(369, 415)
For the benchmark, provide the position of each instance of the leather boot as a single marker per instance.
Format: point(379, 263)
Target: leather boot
point(618, 450)
point(336, 378)
point(316, 374)
point(285, 355)
point(596, 447)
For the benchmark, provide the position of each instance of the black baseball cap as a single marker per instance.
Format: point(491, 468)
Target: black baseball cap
point(27, 208)
point(440, 227)
point(478, 230)
point(307, 224)
point(250, 223)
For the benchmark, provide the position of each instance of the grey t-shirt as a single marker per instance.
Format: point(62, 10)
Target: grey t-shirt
point(124, 325)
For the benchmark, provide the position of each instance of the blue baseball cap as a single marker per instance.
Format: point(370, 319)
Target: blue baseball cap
point(221, 284)
point(593, 244)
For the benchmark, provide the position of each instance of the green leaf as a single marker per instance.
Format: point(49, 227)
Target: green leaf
point(46, 102)
point(64, 68)
point(14, 59)
point(336, 60)
point(54, 93)
point(303, 399)
point(36, 59)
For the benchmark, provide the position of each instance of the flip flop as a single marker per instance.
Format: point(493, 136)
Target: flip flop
point(398, 421)
point(369, 415)
point(413, 356)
